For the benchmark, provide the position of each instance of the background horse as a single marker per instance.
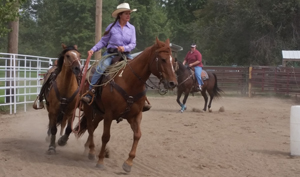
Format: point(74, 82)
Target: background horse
point(124, 97)
point(186, 85)
point(63, 94)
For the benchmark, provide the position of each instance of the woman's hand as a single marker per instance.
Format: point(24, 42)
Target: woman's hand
point(90, 52)
point(190, 65)
point(121, 49)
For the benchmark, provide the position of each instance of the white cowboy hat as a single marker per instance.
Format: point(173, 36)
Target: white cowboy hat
point(193, 45)
point(122, 8)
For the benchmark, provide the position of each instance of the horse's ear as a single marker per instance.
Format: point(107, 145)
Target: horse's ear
point(157, 40)
point(75, 46)
point(63, 46)
point(168, 42)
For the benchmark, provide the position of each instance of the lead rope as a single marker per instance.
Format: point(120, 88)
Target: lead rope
point(80, 88)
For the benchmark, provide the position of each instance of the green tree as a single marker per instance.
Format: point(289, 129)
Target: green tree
point(8, 13)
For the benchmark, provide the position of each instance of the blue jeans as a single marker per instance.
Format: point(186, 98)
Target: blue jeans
point(198, 71)
point(102, 67)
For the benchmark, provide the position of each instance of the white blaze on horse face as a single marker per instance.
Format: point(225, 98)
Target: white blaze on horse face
point(78, 59)
point(171, 64)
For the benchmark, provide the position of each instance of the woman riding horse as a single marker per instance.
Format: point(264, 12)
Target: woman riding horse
point(124, 98)
point(118, 37)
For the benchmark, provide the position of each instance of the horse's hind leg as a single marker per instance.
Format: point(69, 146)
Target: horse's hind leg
point(135, 126)
point(205, 98)
point(210, 101)
point(53, 129)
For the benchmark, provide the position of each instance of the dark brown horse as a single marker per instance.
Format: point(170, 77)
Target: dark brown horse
point(124, 97)
point(186, 85)
point(62, 93)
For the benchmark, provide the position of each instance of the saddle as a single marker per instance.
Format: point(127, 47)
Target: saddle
point(48, 78)
point(96, 91)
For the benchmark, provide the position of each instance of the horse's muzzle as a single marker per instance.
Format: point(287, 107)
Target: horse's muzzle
point(169, 84)
point(76, 70)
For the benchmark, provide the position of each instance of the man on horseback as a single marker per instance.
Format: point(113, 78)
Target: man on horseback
point(194, 59)
point(119, 36)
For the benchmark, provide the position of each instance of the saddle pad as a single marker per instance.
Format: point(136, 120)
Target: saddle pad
point(48, 74)
point(204, 75)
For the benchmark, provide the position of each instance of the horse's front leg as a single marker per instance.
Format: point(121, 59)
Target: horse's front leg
point(105, 138)
point(135, 123)
point(63, 139)
point(186, 95)
point(179, 93)
point(53, 130)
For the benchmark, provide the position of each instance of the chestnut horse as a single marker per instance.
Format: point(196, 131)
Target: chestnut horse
point(186, 85)
point(62, 94)
point(124, 98)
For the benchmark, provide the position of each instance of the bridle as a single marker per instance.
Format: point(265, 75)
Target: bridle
point(157, 68)
point(70, 63)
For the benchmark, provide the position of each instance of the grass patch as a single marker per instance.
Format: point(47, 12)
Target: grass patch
point(22, 82)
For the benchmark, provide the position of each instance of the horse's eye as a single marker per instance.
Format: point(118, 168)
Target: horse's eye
point(164, 60)
point(68, 56)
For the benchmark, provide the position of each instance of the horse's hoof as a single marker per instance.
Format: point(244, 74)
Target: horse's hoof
point(100, 166)
point(209, 110)
point(47, 139)
point(51, 150)
point(126, 167)
point(62, 140)
point(91, 156)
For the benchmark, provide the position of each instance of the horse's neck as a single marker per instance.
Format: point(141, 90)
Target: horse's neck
point(140, 68)
point(183, 72)
point(66, 81)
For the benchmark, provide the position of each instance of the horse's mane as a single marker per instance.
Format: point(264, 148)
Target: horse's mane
point(181, 68)
point(60, 61)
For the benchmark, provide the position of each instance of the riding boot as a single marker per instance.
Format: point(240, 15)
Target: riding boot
point(89, 96)
point(200, 88)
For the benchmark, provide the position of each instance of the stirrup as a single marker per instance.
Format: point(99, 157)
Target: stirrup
point(41, 105)
point(91, 93)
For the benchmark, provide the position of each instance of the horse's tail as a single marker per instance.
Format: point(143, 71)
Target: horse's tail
point(217, 91)
point(82, 128)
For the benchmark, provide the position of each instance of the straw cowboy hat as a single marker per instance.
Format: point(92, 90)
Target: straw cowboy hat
point(122, 8)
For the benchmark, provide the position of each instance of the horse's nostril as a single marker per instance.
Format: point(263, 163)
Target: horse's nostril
point(172, 84)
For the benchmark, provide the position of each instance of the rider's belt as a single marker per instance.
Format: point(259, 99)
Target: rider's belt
point(115, 50)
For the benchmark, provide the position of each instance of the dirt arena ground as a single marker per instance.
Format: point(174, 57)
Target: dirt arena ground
point(249, 139)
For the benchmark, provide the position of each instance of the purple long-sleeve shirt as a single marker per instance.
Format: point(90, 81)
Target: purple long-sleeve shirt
point(118, 37)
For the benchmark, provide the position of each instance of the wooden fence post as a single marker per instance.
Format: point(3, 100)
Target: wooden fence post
point(249, 82)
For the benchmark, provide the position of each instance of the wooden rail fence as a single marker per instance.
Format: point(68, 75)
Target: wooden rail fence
point(254, 80)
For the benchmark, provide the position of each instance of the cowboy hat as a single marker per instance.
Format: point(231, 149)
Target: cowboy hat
point(122, 8)
point(193, 45)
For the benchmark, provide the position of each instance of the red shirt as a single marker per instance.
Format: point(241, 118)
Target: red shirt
point(192, 57)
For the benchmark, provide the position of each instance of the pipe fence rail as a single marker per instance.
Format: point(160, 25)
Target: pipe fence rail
point(21, 78)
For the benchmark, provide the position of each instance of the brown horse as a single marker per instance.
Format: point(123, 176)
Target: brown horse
point(62, 94)
point(125, 96)
point(186, 85)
